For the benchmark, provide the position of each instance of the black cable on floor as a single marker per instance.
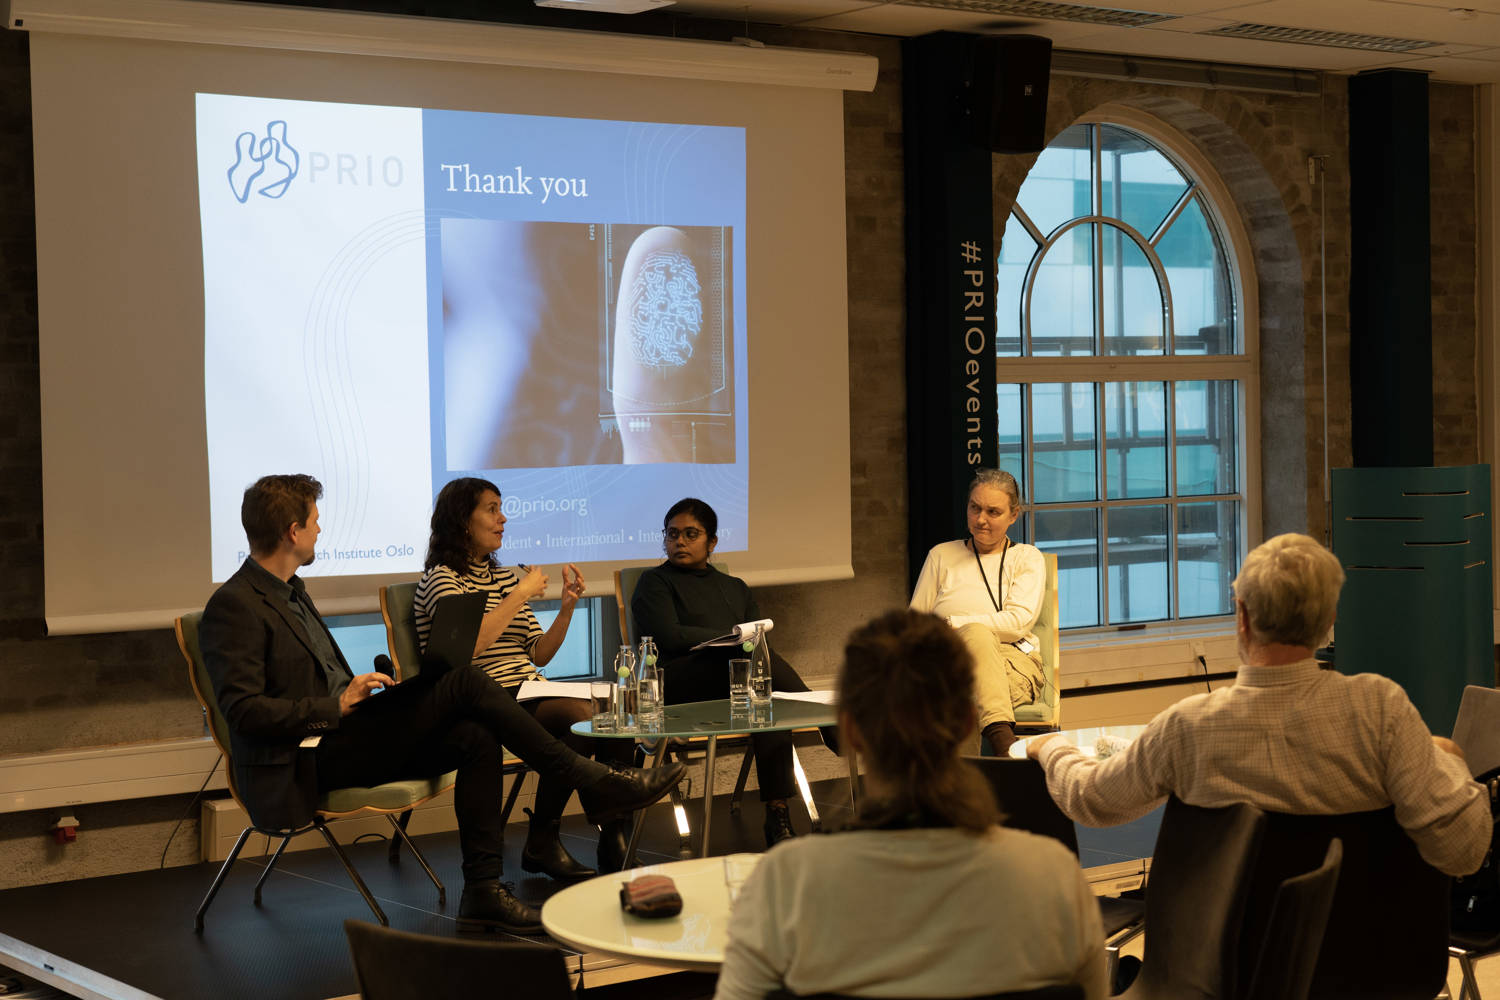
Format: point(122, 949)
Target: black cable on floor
point(186, 812)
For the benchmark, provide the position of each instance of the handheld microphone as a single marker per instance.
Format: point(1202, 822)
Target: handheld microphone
point(383, 665)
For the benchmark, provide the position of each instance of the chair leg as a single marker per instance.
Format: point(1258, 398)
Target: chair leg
point(708, 791)
point(213, 890)
point(400, 826)
point(393, 850)
point(806, 790)
point(1469, 988)
point(270, 865)
point(512, 795)
point(640, 814)
point(359, 883)
point(739, 783)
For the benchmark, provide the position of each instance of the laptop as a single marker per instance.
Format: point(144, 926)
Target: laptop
point(1476, 730)
point(455, 629)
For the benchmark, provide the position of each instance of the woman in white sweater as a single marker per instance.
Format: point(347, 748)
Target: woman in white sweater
point(990, 590)
point(926, 896)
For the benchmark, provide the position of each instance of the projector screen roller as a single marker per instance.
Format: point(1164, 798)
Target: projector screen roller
point(589, 360)
point(601, 291)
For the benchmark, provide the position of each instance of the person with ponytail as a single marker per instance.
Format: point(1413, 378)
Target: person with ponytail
point(925, 895)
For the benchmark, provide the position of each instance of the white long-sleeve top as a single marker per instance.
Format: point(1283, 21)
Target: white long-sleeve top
point(951, 587)
point(914, 913)
point(1291, 738)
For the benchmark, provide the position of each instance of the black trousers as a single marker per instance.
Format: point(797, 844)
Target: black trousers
point(457, 722)
point(704, 676)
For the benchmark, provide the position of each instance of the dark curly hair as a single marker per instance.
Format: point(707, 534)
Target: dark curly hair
point(448, 545)
point(907, 684)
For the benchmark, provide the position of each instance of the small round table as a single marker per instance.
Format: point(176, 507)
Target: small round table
point(588, 916)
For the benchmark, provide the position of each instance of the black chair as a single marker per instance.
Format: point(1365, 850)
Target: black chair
point(1476, 930)
point(398, 965)
point(1294, 933)
point(1387, 932)
point(1068, 992)
point(1200, 879)
point(1020, 786)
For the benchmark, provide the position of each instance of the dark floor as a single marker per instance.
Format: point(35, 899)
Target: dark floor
point(138, 928)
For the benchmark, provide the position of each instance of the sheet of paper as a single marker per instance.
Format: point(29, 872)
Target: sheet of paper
point(552, 689)
point(812, 697)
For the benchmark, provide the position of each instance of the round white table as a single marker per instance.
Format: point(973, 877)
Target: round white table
point(1086, 740)
point(588, 916)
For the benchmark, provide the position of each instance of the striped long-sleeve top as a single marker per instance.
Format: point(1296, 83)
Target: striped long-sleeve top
point(508, 658)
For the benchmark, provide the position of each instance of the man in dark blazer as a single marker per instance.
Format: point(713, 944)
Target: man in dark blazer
point(301, 723)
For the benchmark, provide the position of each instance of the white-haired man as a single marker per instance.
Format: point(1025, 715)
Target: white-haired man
point(1287, 736)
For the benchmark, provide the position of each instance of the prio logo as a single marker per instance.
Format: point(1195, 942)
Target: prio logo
point(263, 164)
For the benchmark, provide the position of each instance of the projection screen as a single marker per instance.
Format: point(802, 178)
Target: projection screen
point(602, 290)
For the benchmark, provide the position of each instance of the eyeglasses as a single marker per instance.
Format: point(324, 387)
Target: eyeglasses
point(691, 534)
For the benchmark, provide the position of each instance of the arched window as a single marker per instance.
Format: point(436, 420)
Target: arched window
point(1126, 370)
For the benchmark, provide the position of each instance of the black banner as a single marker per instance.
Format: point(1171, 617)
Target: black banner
point(950, 287)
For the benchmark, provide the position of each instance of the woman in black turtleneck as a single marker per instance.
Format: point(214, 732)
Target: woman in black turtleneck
point(685, 601)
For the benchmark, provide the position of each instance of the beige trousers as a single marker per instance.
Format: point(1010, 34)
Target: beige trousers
point(1004, 677)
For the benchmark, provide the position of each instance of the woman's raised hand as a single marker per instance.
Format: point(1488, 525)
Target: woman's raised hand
point(573, 586)
point(533, 584)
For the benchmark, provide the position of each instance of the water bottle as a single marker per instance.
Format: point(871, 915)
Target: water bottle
point(625, 694)
point(760, 678)
point(650, 697)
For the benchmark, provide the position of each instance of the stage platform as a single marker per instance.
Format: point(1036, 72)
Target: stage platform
point(130, 937)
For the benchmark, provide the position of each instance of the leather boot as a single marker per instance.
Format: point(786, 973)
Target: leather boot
point(488, 905)
point(625, 789)
point(778, 826)
point(544, 850)
point(614, 841)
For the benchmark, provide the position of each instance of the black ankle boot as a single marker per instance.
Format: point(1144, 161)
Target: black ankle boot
point(625, 789)
point(778, 826)
point(488, 905)
point(614, 841)
point(544, 852)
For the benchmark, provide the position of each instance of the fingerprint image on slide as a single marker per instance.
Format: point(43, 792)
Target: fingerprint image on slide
point(666, 312)
point(669, 386)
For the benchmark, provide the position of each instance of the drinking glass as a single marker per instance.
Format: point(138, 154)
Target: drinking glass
point(760, 693)
point(739, 688)
point(602, 693)
point(737, 868)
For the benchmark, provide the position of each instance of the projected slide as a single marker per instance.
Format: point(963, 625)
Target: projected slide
point(394, 297)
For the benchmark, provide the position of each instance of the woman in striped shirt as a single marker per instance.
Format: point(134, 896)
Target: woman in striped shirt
point(467, 528)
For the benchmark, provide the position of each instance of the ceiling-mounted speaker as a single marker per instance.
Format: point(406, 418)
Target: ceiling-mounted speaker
point(1006, 92)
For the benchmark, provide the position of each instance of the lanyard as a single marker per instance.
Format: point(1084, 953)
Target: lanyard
point(999, 577)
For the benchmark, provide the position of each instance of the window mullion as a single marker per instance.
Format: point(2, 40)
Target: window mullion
point(1100, 477)
point(1174, 588)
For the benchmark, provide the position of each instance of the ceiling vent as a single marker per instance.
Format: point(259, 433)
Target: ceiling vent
point(1328, 39)
point(1044, 10)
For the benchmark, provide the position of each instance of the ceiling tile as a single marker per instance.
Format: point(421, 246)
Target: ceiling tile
point(1173, 45)
point(1378, 17)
